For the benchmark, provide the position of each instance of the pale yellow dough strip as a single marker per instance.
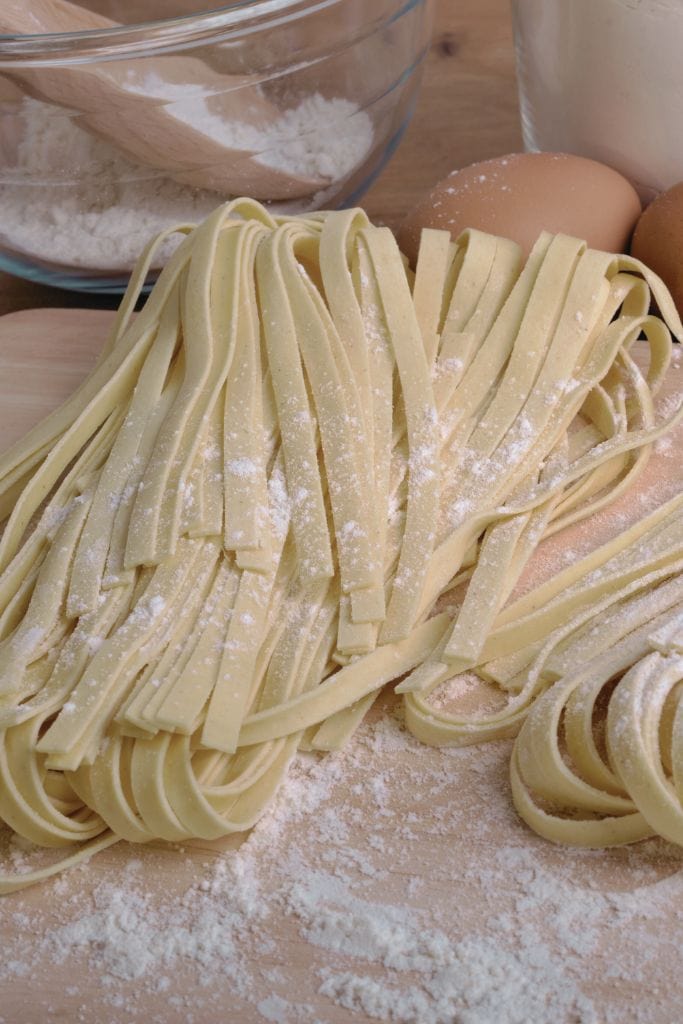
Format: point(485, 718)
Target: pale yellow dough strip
point(309, 518)
point(421, 421)
point(173, 706)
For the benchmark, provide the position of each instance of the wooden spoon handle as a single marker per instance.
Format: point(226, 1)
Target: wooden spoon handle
point(40, 16)
point(140, 125)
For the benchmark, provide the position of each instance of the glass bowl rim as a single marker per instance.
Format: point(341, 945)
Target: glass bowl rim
point(216, 23)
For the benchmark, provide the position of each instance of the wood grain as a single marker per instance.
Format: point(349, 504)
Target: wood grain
point(33, 372)
point(467, 110)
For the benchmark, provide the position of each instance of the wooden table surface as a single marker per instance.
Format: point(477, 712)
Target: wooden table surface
point(577, 922)
point(467, 111)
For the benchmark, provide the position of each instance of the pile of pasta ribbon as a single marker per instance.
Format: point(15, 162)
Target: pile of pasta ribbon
point(235, 532)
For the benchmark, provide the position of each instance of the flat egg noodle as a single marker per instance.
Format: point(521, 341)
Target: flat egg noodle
point(236, 532)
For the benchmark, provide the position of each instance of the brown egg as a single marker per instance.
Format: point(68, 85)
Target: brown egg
point(658, 240)
point(520, 195)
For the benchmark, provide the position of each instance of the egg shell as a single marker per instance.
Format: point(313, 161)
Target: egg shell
point(520, 195)
point(658, 240)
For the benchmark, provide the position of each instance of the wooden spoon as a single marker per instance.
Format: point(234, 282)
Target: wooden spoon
point(124, 102)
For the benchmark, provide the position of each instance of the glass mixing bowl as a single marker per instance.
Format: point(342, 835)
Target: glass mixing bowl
point(309, 98)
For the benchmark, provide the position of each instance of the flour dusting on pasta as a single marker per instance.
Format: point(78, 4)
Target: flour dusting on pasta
point(238, 530)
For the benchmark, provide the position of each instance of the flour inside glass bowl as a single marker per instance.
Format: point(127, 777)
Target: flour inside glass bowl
point(72, 199)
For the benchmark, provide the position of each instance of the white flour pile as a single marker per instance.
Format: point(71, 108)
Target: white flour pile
point(390, 883)
point(319, 138)
point(74, 200)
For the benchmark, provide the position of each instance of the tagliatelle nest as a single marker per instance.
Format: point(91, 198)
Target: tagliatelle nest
point(236, 531)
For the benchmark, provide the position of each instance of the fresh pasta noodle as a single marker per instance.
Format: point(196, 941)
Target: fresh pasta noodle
point(637, 792)
point(238, 530)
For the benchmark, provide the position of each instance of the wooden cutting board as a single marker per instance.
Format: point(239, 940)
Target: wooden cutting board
point(44, 355)
point(398, 825)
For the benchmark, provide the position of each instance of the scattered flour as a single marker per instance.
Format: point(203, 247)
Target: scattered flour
point(389, 882)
